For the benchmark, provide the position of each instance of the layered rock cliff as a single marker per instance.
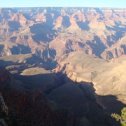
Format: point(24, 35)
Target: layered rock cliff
point(31, 30)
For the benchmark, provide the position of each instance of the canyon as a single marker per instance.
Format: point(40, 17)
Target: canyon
point(62, 66)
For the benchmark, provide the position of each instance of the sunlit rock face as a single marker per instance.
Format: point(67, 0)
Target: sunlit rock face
point(95, 31)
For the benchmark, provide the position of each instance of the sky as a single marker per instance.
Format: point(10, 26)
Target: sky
point(63, 3)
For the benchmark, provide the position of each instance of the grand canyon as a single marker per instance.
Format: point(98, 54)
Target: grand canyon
point(62, 66)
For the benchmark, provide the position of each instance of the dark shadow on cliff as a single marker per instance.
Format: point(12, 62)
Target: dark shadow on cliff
point(43, 32)
point(97, 46)
point(83, 25)
point(57, 95)
point(5, 63)
point(77, 98)
point(111, 104)
point(33, 60)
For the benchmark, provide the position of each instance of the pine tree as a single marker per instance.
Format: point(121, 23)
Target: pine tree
point(120, 118)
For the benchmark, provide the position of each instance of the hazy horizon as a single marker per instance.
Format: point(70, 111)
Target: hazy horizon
point(64, 3)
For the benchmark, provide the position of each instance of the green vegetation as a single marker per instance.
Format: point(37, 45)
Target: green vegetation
point(120, 118)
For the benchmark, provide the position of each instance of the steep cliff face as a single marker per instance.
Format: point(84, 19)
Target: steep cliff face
point(81, 67)
point(4, 78)
point(51, 107)
point(116, 50)
point(108, 77)
point(26, 107)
